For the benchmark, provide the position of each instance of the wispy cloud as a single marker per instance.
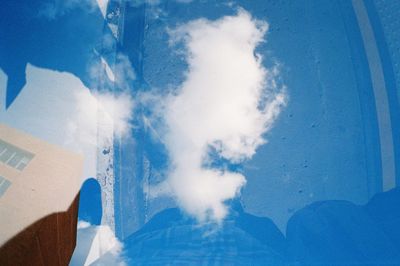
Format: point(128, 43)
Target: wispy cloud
point(51, 9)
point(226, 103)
point(116, 110)
point(124, 72)
point(110, 101)
point(120, 74)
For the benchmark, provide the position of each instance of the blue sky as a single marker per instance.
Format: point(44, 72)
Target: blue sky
point(196, 103)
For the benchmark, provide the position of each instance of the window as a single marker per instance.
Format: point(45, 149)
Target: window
point(14, 156)
point(4, 185)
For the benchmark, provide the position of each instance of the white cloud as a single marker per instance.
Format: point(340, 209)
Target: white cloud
point(114, 110)
point(83, 224)
point(96, 245)
point(121, 73)
point(44, 109)
point(108, 70)
point(124, 72)
point(227, 101)
point(51, 9)
point(58, 108)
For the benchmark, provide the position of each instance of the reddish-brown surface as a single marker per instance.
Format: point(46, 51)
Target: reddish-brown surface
point(49, 241)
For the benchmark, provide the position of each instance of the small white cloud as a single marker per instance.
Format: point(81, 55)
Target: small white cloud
point(51, 9)
point(83, 224)
point(121, 73)
point(109, 72)
point(124, 72)
point(227, 101)
point(119, 109)
point(114, 110)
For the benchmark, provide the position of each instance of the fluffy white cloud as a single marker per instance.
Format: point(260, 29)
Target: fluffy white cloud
point(96, 245)
point(227, 101)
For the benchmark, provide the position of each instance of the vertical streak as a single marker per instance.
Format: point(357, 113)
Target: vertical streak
point(380, 94)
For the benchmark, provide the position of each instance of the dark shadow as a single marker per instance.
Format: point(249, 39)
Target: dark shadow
point(49, 241)
point(342, 233)
point(324, 233)
point(90, 208)
point(171, 237)
point(90, 211)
